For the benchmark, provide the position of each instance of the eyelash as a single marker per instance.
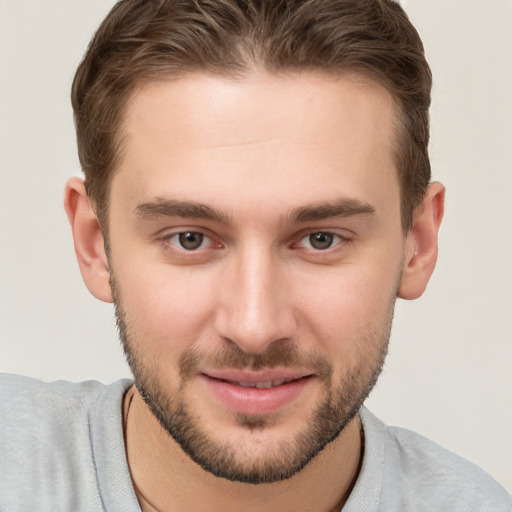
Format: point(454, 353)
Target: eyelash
point(167, 240)
point(337, 240)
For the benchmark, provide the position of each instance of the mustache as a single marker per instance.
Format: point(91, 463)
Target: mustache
point(231, 356)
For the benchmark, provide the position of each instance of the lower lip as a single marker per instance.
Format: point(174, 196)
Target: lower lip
point(253, 400)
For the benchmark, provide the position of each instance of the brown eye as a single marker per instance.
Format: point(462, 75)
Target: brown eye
point(190, 240)
point(321, 240)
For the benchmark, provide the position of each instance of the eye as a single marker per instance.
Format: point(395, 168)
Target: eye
point(320, 241)
point(189, 240)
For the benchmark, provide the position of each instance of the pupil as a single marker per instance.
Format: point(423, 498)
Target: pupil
point(191, 240)
point(321, 240)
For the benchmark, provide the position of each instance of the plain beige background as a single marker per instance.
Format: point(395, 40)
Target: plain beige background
point(449, 371)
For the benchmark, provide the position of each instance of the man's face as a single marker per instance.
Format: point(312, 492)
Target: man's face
point(256, 250)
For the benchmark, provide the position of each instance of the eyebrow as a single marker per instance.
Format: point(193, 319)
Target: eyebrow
point(344, 207)
point(160, 207)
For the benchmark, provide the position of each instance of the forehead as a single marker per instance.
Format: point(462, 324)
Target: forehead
point(199, 106)
point(300, 133)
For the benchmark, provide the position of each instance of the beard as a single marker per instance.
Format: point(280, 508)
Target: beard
point(339, 405)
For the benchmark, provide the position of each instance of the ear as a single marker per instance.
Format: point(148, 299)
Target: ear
point(421, 244)
point(88, 239)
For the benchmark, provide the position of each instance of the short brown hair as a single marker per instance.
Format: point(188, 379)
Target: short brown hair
point(144, 40)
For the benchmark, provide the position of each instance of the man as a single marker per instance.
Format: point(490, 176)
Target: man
point(257, 194)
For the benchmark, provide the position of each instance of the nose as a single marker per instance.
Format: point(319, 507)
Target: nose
point(255, 302)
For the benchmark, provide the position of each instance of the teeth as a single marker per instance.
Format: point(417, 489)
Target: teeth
point(263, 385)
point(246, 385)
point(279, 382)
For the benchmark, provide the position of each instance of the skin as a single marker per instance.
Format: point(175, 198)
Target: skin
point(258, 152)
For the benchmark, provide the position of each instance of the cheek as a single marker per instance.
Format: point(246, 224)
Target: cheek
point(166, 307)
point(351, 307)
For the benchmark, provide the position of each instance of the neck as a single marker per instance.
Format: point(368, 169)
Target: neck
point(165, 478)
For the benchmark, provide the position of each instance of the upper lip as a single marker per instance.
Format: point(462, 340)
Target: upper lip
point(256, 377)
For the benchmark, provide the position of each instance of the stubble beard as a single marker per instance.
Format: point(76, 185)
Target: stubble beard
point(339, 406)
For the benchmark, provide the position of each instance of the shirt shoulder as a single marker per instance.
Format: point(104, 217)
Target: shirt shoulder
point(434, 474)
point(46, 453)
point(407, 471)
point(34, 410)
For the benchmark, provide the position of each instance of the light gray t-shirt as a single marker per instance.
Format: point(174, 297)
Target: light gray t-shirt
point(62, 450)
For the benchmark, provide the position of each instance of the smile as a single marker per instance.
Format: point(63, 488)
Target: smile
point(260, 385)
point(256, 393)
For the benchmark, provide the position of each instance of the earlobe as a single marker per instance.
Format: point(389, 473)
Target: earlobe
point(422, 243)
point(88, 240)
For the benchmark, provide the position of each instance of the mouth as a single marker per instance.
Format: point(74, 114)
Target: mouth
point(259, 385)
point(256, 393)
